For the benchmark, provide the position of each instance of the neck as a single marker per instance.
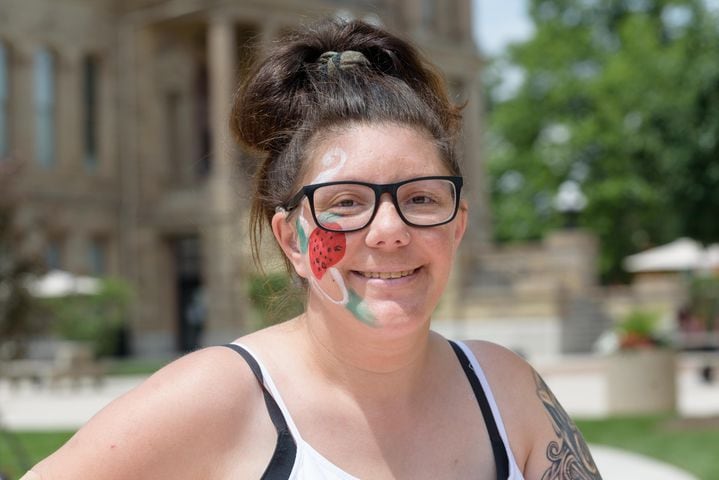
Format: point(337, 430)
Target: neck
point(367, 359)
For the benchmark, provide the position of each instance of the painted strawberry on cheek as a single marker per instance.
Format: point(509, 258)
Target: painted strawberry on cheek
point(325, 250)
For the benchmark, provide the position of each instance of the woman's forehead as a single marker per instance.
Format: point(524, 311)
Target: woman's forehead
point(373, 151)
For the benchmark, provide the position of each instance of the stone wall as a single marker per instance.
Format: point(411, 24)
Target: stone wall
point(544, 297)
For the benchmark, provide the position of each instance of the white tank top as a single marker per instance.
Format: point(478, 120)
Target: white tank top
point(309, 464)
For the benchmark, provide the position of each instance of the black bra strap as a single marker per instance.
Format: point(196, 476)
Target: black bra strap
point(499, 450)
point(283, 458)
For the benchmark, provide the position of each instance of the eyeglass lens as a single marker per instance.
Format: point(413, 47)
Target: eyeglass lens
point(349, 206)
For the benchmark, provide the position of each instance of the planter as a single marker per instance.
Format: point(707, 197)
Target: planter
point(642, 381)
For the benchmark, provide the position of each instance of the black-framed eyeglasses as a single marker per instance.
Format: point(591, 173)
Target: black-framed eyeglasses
point(350, 206)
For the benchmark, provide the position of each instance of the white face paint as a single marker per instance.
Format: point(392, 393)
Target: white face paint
point(331, 163)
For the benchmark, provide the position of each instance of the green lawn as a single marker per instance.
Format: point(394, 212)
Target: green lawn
point(688, 444)
point(691, 445)
point(135, 366)
point(21, 450)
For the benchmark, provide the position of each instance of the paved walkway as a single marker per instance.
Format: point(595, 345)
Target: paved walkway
point(616, 464)
point(578, 383)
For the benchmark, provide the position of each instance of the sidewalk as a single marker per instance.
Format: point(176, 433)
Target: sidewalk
point(616, 464)
point(578, 383)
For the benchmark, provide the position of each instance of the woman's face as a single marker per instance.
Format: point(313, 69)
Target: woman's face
point(389, 272)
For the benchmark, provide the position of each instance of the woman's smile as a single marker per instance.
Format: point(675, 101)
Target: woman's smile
point(388, 275)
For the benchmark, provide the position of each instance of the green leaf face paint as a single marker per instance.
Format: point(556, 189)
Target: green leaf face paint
point(301, 236)
point(359, 309)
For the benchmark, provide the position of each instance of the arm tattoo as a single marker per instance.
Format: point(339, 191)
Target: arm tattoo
point(570, 456)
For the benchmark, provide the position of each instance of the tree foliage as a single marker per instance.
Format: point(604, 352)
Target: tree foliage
point(622, 97)
point(99, 319)
point(18, 263)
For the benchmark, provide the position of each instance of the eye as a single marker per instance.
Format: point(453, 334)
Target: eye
point(343, 199)
point(422, 199)
point(345, 203)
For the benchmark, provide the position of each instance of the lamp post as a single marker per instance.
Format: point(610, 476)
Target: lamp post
point(570, 201)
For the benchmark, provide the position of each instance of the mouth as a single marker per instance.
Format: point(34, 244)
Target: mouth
point(387, 275)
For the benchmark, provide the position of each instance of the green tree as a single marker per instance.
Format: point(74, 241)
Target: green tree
point(99, 319)
point(18, 264)
point(621, 96)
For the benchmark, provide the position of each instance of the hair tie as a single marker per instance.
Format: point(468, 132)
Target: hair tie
point(336, 61)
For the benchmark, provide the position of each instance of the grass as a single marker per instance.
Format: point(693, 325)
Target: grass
point(687, 444)
point(21, 450)
point(135, 366)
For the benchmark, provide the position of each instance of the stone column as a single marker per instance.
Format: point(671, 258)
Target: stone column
point(574, 255)
point(478, 237)
point(464, 19)
point(475, 164)
point(221, 235)
point(131, 65)
point(221, 67)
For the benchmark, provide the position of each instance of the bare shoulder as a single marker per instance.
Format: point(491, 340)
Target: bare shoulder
point(174, 425)
point(512, 381)
point(497, 357)
point(544, 440)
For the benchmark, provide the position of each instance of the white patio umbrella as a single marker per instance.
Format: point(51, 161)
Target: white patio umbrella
point(683, 254)
point(58, 283)
point(711, 257)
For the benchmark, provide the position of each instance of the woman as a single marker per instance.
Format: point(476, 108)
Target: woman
point(361, 187)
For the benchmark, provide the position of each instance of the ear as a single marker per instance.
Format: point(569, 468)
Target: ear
point(461, 222)
point(286, 234)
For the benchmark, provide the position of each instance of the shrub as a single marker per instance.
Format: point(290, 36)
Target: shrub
point(704, 300)
point(19, 264)
point(639, 329)
point(98, 319)
point(274, 298)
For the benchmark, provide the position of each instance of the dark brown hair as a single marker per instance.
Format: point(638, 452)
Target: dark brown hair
point(298, 92)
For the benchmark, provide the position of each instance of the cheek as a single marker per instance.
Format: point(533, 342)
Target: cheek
point(443, 247)
point(325, 249)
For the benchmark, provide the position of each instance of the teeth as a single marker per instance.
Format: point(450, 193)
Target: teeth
point(388, 275)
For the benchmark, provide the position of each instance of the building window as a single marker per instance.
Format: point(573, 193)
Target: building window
point(53, 254)
point(44, 73)
point(90, 72)
point(97, 256)
point(174, 138)
point(4, 100)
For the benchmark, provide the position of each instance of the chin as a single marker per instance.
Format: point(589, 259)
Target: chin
point(393, 316)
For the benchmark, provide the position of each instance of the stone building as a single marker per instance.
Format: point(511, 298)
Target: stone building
point(119, 108)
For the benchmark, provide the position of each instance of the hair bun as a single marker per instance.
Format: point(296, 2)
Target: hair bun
point(334, 62)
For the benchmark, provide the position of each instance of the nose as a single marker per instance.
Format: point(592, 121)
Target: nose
point(387, 229)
